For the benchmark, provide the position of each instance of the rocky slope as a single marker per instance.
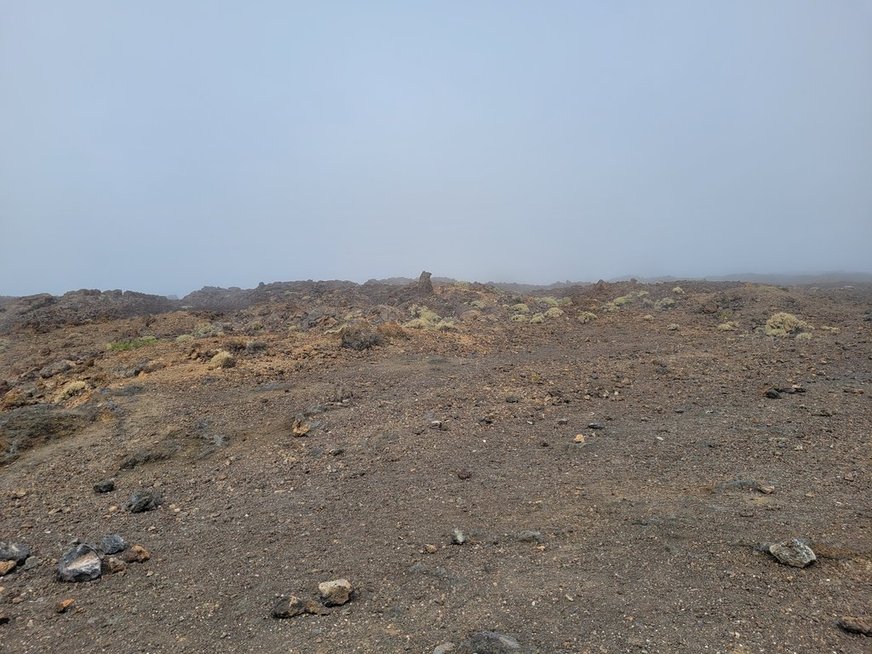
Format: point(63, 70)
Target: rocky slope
point(325, 466)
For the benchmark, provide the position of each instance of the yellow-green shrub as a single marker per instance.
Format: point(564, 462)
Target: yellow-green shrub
point(785, 324)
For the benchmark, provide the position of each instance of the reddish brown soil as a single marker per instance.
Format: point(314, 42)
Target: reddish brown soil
point(647, 530)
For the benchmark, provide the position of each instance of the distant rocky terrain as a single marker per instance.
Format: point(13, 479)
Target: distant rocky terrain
point(428, 465)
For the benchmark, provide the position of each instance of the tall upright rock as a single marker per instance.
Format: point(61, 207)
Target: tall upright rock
point(424, 284)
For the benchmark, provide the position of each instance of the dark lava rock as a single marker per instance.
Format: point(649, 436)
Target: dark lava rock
point(133, 371)
point(31, 563)
point(82, 563)
point(27, 427)
point(104, 486)
point(45, 312)
point(112, 544)
point(55, 368)
point(794, 552)
point(159, 452)
point(489, 642)
point(425, 285)
point(17, 552)
point(143, 500)
point(596, 425)
point(288, 607)
point(529, 536)
point(856, 625)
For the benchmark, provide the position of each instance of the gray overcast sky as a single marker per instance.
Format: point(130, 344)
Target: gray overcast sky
point(164, 145)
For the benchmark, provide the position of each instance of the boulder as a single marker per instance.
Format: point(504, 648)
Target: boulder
point(82, 563)
point(793, 552)
point(17, 552)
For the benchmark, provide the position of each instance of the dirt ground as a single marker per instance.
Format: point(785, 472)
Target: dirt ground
point(616, 480)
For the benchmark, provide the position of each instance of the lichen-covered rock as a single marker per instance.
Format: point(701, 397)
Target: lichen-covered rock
point(336, 592)
point(136, 554)
point(114, 565)
point(69, 390)
point(793, 552)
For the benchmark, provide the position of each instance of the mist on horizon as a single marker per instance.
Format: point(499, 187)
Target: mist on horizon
point(161, 147)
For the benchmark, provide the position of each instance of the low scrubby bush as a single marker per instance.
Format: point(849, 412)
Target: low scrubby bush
point(361, 336)
point(392, 330)
point(71, 389)
point(222, 359)
point(785, 324)
point(132, 343)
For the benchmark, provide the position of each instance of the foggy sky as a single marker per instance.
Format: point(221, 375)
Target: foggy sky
point(164, 145)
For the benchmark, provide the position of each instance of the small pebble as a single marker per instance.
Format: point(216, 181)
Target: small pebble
point(64, 605)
